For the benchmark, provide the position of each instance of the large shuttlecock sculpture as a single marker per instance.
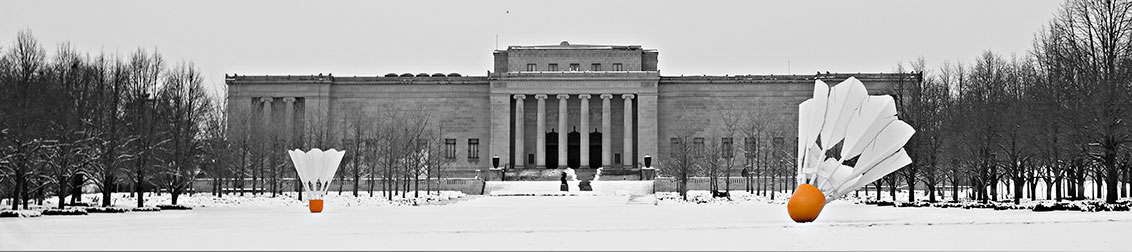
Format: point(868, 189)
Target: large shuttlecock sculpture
point(316, 169)
point(846, 139)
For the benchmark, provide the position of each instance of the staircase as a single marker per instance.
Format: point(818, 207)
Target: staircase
point(547, 182)
point(532, 188)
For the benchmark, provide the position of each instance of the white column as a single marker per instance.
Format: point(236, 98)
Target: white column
point(540, 135)
point(266, 135)
point(520, 153)
point(606, 131)
point(562, 132)
point(584, 115)
point(266, 113)
point(289, 120)
point(627, 154)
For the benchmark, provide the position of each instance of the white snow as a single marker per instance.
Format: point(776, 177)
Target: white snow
point(287, 199)
point(571, 223)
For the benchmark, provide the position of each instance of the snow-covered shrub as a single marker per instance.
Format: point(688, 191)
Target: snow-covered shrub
point(146, 209)
point(106, 210)
point(69, 211)
point(174, 207)
point(20, 213)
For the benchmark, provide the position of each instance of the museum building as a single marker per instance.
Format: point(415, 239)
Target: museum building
point(547, 107)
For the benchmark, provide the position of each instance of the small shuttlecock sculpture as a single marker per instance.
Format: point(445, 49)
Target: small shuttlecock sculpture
point(316, 169)
point(846, 139)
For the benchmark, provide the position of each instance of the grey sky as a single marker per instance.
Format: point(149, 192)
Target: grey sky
point(374, 38)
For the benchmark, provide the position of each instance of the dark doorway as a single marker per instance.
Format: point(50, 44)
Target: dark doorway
point(595, 149)
point(551, 149)
point(574, 149)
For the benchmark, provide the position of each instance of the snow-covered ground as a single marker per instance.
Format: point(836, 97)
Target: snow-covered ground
point(571, 223)
point(288, 199)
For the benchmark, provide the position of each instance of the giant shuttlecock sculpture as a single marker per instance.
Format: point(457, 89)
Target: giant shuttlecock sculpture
point(316, 169)
point(846, 139)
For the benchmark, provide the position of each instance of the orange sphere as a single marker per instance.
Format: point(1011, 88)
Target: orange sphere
point(806, 203)
point(316, 206)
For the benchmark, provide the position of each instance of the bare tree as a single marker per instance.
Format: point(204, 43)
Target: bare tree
point(183, 104)
point(682, 162)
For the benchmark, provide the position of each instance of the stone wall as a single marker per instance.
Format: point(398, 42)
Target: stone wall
point(517, 60)
point(701, 107)
point(461, 111)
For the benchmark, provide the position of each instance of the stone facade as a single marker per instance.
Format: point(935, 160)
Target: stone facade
point(613, 97)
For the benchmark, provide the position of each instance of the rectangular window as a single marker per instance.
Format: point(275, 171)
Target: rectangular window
point(552, 67)
point(531, 67)
point(617, 67)
point(749, 146)
point(698, 144)
point(728, 150)
point(617, 158)
point(595, 67)
point(677, 146)
point(473, 148)
point(575, 67)
point(450, 148)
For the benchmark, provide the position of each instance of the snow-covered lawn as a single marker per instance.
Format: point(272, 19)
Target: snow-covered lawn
point(288, 199)
point(571, 223)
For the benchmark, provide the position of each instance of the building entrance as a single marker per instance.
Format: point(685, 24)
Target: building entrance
point(552, 150)
point(574, 150)
point(595, 149)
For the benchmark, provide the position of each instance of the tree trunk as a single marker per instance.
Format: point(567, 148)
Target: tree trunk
point(255, 179)
point(1057, 188)
point(1049, 189)
point(1018, 184)
point(76, 188)
point(911, 189)
point(877, 184)
point(173, 194)
point(931, 193)
point(39, 196)
point(62, 192)
point(18, 192)
point(892, 188)
point(107, 186)
point(138, 188)
point(954, 191)
point(357, 175)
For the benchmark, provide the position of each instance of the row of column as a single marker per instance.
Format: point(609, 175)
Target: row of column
point(289, 113)
point(584, 152)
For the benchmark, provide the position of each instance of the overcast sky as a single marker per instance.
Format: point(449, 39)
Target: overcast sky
point(374, 38)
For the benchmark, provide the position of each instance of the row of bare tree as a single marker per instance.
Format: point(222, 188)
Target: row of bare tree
point(1055, 117)
point(751, 144)
point(71, 119)
point(391, 147)
point(74, 119)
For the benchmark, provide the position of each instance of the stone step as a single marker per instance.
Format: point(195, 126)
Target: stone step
point(577, 188)
point(624, 187)
point(533, 188)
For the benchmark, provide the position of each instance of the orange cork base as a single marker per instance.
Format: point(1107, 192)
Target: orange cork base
point(316, 205)
point(806, 203)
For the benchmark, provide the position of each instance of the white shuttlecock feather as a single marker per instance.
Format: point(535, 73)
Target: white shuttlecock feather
point(847, 138)
point(316, 168)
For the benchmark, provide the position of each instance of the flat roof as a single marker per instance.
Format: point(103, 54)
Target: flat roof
point(567, 45)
